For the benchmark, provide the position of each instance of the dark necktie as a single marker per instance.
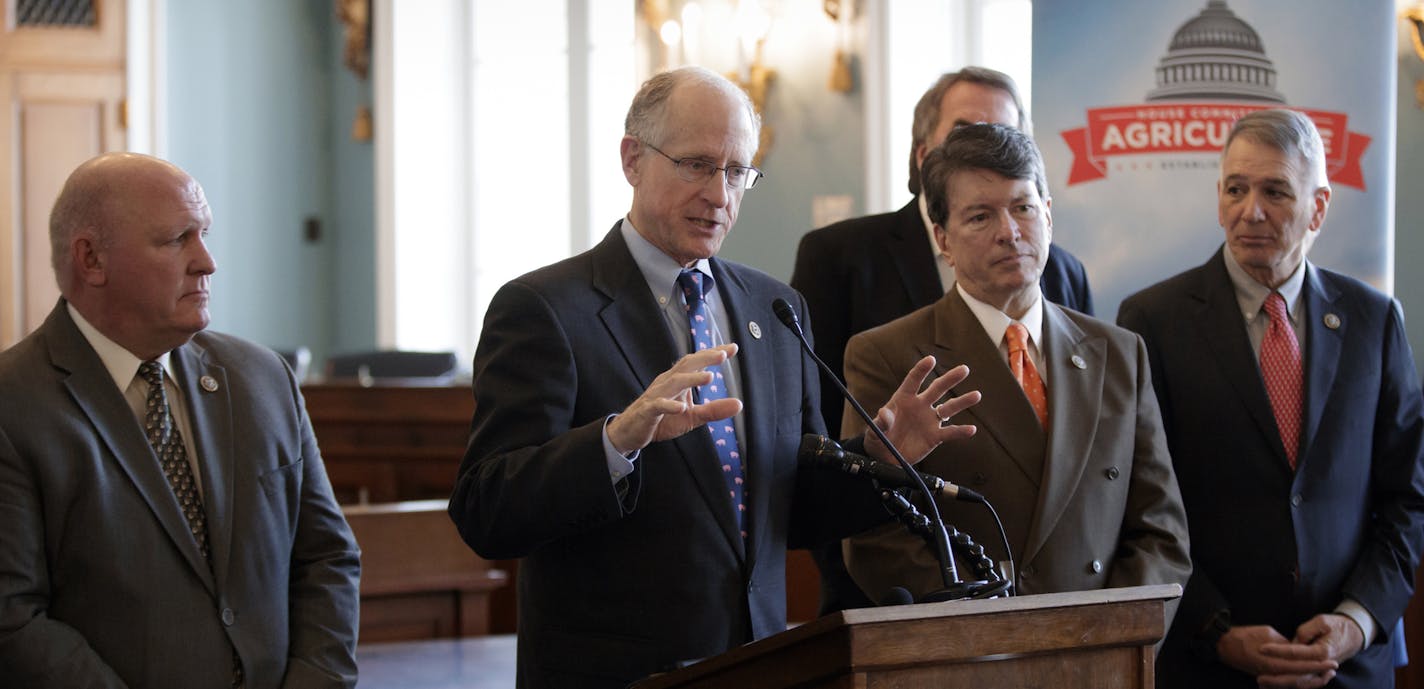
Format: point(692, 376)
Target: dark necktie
point(724, 436)
point(1280, 368)
point(167, 444)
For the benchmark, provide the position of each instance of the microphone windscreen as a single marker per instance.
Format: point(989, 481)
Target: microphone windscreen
point(785, 313)
point(898, 595)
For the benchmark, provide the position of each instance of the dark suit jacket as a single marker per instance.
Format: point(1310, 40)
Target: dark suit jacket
point(1274, 546)
point(101, 585)
point(619, 582)
point(1089, 503)
point(860, 273)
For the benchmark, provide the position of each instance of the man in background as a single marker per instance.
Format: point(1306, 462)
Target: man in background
point(860, 273)
point(1069, 447)
point(168, 520)
point(638, 415)
point(1293, 414)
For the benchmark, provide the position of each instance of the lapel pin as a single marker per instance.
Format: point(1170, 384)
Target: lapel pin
point(1078, 362)
point(755, 329)
point(1332, 321)
point(209, 383)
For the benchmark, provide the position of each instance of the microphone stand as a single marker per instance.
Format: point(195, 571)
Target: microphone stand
point(936, 534)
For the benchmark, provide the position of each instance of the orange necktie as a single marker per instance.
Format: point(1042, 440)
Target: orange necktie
point(1021, 365)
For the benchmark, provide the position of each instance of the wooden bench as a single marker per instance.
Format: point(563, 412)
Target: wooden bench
point(418, 579)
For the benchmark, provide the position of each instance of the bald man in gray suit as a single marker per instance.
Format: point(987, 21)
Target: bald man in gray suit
point(168, 521)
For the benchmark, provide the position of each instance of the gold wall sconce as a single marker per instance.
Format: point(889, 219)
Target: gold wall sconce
point(679, 42)
point(841, 12)
point(1414, 21)
point(355, 15)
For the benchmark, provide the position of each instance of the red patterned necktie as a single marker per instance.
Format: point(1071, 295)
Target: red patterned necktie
point(1280, 368)
point(724, 437)
point(1021, 365)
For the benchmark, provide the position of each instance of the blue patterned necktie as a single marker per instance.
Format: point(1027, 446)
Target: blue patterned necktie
point(724, 436)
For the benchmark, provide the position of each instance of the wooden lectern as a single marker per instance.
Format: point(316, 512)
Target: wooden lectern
point(1100, 639)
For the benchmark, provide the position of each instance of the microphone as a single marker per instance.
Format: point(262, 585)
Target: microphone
point(897, 595)
point(938, 540)
point(937, 535)
point(818, 450)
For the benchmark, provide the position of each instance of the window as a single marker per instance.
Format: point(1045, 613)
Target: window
point(497, 143)
point(909, 44)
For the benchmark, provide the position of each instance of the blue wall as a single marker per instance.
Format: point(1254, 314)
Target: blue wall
point(260, 111)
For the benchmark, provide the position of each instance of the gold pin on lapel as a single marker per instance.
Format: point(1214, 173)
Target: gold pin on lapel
point(1078, 362)
point(755, 329)
point(1332, 321)
point(209, 383)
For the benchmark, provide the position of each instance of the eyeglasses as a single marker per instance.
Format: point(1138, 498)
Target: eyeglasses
point(694, 170)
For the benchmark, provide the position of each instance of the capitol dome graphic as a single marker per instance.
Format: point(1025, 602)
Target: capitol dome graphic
point(1213, 56)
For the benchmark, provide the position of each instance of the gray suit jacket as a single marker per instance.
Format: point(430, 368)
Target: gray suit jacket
point(1092, 503)
point(101, 585)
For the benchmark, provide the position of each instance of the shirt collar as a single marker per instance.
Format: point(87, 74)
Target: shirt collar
point(1250, 294)
point(659, 269)
point(996, 322)
point(929, 224)
point(121, 364)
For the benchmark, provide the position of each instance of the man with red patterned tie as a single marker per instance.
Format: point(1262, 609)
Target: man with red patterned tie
point(1293, 415)
point(1070, 447)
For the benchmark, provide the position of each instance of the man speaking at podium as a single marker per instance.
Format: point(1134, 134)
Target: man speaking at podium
point(1070, 446)
point(638, 414)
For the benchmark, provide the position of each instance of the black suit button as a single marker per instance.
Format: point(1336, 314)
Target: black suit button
point(980, 479)
point(1112, 473)
point(1296, 500)
point(228, 617)
point(1097, 567)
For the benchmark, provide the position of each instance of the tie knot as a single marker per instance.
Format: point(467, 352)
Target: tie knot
point(693, 284)
point(1275, 307)
point(152, 372)
point(1017, 336)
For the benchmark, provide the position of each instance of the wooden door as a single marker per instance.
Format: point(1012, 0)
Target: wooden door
point(61, 103)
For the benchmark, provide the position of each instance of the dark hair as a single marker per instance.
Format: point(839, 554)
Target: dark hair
point(993, 147)
point(927, 111)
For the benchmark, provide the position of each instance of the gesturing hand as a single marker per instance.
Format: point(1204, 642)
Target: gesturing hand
point(912, 420)
point(665, 410)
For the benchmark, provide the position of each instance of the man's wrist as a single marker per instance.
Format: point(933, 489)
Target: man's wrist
point(1206, 639)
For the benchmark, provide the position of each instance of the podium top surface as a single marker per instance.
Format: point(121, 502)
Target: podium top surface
point(895, 638)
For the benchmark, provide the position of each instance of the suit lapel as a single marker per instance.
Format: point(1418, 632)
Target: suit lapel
point(1074, 395)
point(92, 389)
point(1224, 335)
point(633, 318)
point(210, 418)
point(637, 328)
point(1322, 351)
point(1004, 412)
point(910, 251)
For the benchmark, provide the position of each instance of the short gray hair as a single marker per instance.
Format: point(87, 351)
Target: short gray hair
point(1289, 131)
point(927, 111)
point(647, 116)
point(994, 147)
